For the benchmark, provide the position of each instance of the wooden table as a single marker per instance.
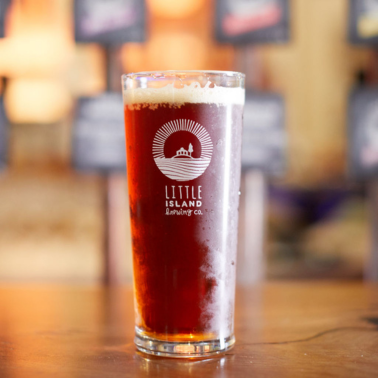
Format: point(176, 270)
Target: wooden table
point(282, 329)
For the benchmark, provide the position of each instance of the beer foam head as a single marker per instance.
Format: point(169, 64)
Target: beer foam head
point(192, 93)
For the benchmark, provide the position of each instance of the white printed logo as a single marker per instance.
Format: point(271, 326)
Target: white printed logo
point(182, 166)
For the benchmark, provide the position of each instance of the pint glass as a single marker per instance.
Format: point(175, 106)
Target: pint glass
point(183, 142)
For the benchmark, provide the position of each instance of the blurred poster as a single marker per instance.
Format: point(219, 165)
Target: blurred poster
point(363, 21)
point(264, 136)
point(363, 133)
point(98, 136)
point(3, 135)
point(252, 21)
point(3, 10)
point(110, 21)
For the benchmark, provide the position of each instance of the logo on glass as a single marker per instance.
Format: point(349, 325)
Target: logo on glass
point(182, 149)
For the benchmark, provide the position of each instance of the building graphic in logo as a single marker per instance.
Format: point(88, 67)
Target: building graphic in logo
point(182, 166)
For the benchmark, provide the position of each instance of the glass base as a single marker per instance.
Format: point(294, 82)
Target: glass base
point(184, 349)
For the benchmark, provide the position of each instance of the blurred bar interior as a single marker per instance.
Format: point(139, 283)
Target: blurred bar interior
point(305, 194)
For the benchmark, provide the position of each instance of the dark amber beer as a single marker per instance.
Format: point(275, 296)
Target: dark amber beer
point(183, 142)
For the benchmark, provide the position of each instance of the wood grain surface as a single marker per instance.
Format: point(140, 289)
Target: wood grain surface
point(282, 329)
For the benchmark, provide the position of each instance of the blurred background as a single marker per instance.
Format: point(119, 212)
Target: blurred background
point(61, 222)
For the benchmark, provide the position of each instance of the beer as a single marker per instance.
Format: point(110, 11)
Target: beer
point(183, 162)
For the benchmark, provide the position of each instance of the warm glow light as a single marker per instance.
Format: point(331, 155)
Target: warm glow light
point(167, 51)
point(36, 101)
point(174, 8)
point(85, 76)
point(35, 53)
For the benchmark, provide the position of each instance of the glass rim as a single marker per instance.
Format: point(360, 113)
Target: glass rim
point(137, 75)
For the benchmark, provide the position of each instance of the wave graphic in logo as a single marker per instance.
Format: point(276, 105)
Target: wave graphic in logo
point(182, 166)
point(180, 170)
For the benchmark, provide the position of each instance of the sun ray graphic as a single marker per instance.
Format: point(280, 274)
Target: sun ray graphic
point(182, 169)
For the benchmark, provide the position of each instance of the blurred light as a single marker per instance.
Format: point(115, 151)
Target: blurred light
point(174, 8)
point(165, 51)
point(36, 101)
point(36, 53)
point(85, 75)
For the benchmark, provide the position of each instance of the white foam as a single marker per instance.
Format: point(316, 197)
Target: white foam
point(192, 93)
